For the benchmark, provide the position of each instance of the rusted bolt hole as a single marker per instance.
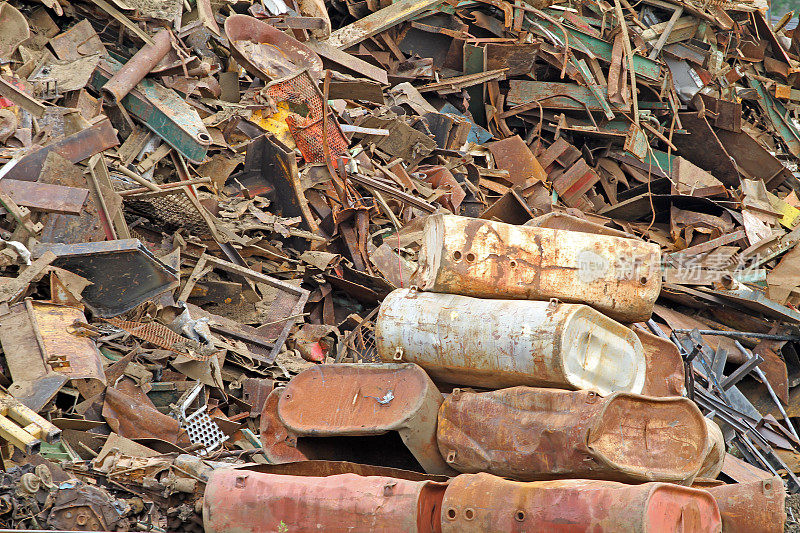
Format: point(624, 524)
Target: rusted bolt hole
point(457, 256)
point(519, 516)
point(767, 486)
point(643, 280)
point(469, 513)
point(470, 257)
point(451, 514)
point(512, 264)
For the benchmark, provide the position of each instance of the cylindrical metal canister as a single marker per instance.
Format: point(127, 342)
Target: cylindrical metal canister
point(239, 501)
point(503, 343)
point(472, 257)
point(355, 400)
point(751, 507)
point(483, 502)
point(138, 66)
point(532, 434)
point(665, 374)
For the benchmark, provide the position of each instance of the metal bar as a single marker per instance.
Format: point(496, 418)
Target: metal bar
point(741, 372)
point(665, 34)
point(374, 23)
point(741, 334)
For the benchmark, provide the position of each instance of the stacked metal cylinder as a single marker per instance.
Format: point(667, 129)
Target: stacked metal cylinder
point(573, 417)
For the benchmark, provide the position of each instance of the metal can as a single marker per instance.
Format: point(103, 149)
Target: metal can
point(536, 434)
point(473, 257)
point(503, 343)
point(483, 502)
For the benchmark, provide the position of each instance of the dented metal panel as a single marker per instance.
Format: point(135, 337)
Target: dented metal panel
point(237, 501)
point(482, 258)
point(534, 434)
point(358, 400)
point(665, 374)
point(751, 507)
point(483, 502)
point(503, 343)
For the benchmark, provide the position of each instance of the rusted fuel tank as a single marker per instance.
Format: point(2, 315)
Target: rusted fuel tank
point(326, 412)
point(472, 257)
point(503, 343)
point(483, 502)
point(238, 501)
point(537, 434)
point(665, 374)
point(751, 507)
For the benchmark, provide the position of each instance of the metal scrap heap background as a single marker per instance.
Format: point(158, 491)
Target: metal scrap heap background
point(422, 265)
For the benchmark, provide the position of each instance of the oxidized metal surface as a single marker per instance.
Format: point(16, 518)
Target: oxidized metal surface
point(162, 111)
point(531, 434)
point(665, 374)
point(237, 501)
point(483, 502)
point(37, 340)
point(142, 62)
point(75, 148)
point(266, 52)
point(356, 400)
point(752, 506)
point(503, 343)
point(123, 273)
point(481, 258)
point(715, 451)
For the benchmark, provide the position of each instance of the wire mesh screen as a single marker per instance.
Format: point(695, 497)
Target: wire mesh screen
point(171, 209)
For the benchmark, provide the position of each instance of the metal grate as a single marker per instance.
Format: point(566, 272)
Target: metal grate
point(305, 120)
point(198, 425)
point(360, 343)
point(171, 209)
point(159, 335)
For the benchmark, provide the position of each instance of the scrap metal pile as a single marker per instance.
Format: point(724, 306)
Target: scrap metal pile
point(423, 265)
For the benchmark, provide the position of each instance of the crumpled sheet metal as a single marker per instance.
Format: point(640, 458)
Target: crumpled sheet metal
point(538, 434)
point(237, 501)
point(359, 399)
point(665, 375)
point(752, 506)
point(488, 259)
point(503, 343)
point(130, 417)
point(483, 502)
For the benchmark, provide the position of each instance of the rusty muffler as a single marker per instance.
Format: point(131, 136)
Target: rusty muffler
point(483, 502)
point(327, 411)
point(537, 434)
point(503, 343)
point(472, 257)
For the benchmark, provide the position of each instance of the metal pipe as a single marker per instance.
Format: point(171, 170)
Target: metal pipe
point(742, 334)
point(138, 66)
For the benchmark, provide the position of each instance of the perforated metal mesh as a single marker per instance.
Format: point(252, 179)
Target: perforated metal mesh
point(172, 210)
point(202, 430)
point(157, 334)
point(305, 121)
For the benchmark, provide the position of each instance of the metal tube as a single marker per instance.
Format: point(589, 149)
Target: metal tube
point(138, 66)
point(741, 334)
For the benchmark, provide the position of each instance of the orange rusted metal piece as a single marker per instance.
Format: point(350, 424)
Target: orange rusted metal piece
point(503, 343)
point(534, 434)
point(237, 501)
point(356, 400)
point(483, 502)
point(487, 259)
point(665, 373)
point(751, 507)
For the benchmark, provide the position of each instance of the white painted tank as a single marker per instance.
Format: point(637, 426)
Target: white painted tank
point(505, 343)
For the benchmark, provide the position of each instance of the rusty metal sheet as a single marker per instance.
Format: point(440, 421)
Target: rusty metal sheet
point(487, 259)
point(532, 434)
point(502, 343)
point(75, 148)
point(134, 416)
point(45, 197)
point(753, 158)
point(241, 501)
point(362, 400)
point(321, 468)
point(266, 52)
point(703, 148)
point(39, 338)
point(123, 273)
point(556, 95)
point(513, 154)
point(665, 373)
point(565, 221)
point(751, 506)
point(483, 502)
